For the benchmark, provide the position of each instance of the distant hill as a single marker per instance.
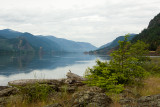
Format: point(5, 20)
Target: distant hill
point(45, 43)
point(151, 35)
point(71, 46)
point(105, 49)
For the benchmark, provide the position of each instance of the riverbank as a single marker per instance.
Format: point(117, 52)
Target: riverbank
point(72, 92)
point(53, 93)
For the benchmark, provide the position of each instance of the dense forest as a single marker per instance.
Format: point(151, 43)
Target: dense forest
point(151, 35)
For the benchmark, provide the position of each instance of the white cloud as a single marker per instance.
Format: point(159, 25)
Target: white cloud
point(94, 21)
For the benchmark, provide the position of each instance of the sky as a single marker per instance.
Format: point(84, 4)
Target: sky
point(95, 21)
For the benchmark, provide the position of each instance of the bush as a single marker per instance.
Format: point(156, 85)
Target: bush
point(35, 92)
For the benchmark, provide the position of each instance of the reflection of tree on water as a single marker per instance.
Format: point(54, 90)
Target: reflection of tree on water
point(23, 60)
point(13, 64)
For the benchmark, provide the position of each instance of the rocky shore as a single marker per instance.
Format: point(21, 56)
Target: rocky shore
point(86, 97)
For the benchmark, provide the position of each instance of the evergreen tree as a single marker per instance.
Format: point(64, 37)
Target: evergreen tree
point(125, 67)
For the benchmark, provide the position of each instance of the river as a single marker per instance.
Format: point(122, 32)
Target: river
point(55, 66)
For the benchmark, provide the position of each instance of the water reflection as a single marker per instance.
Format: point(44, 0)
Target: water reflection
point(29, 66)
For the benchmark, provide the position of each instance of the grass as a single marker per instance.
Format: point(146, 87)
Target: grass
point(39, 95)
point(17, 101)
point(151, 86)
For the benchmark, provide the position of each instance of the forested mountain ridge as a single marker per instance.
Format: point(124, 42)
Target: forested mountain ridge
point(19, 44)
point(71, 46)
point(151, 35)
point(105, 49)
point(43, 43)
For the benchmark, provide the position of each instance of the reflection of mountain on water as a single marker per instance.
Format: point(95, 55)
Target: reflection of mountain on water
point(13, 64)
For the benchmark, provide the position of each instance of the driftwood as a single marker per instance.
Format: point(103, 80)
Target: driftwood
point(24, 82)
point(71, 79)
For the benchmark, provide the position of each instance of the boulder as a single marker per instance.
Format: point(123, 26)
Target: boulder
point(91, 98)
point(3, 87)
point(145, 101)
point(150, 101)
point(7, 92)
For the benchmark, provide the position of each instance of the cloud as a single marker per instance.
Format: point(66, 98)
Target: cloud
point(94, 21)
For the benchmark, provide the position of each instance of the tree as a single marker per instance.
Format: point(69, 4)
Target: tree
point(123, 68)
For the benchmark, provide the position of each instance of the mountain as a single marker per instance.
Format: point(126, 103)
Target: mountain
point(105, 45)
point(36, 42)
point(19, 44)
point(71, 46)
point(105, 49)
point(151, 35)
point(8, 33)
point(45, 43)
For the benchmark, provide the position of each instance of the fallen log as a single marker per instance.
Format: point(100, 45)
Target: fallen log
point(24, 82)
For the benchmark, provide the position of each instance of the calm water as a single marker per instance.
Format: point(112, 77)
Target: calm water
point(13, 67)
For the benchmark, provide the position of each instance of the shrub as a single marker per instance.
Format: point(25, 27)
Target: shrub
point(35, 92)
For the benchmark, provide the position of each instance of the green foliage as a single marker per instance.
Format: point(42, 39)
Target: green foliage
point(125, 67)
point(101, 75)
point(140, 50)
point(35, 92)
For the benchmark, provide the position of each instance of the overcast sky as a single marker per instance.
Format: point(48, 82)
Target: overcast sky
point(94, 21)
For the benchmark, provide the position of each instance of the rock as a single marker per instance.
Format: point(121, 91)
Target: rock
point(151, 101)
point(127, 101)
point(8, 92)
point(3, 87)
point(145, 101)
point(54, 105)
point(91, 99)
point(24, 82)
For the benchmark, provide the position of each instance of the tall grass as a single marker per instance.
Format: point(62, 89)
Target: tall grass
point(35, 92)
